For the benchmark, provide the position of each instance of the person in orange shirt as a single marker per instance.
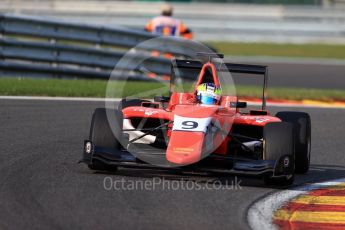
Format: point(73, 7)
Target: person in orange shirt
point(166, 25)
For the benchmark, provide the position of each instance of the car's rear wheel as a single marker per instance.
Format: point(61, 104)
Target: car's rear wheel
point(279, 147)
point(101, 135)
point(302, 138)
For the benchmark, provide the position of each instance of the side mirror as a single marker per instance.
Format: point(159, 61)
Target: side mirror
point(161, 99)
point(238, 104)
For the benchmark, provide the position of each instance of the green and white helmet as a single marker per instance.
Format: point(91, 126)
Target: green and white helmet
point(208, 93)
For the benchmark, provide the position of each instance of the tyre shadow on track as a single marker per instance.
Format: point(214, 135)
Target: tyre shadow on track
point(320, 172)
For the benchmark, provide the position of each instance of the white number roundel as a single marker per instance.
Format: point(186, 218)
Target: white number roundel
point(191, 124)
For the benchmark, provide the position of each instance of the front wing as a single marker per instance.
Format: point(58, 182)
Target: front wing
point(211, 164)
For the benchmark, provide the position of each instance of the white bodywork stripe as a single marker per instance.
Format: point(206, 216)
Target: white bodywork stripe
point(148, 139)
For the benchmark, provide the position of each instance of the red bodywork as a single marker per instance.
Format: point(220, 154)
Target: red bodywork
point(187, 144)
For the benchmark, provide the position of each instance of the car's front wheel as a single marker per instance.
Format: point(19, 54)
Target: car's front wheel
point(101, 135)
point(278, 146)
point(302, 134)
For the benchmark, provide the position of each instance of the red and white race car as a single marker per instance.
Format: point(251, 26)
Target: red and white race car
point(179, 132)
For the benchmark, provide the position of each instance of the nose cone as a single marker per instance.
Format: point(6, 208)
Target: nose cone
point(188, 133)
point(185, 147)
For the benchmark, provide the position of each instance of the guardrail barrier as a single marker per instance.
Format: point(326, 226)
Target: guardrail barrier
point(36, 47)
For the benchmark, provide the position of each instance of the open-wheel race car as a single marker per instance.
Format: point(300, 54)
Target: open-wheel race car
point(201, 127)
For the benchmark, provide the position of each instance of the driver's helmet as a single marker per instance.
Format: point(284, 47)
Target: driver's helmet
point(208, 93)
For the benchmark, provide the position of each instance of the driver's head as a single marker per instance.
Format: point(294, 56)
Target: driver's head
point(208, 94)
point(166, 10)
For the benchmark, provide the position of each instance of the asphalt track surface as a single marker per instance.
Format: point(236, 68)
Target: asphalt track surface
point(43, 187)
point(302, 74)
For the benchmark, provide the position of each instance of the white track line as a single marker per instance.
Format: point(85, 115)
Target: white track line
point(57, 98)
point(296, 105)
point(260, 214)
point(272, 104)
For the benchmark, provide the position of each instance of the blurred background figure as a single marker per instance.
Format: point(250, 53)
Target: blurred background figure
point(166, 25)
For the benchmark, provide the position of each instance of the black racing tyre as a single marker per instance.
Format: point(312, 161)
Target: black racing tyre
point(130, 102)
point(302, 138)
point(101, 135)
point(279, 146)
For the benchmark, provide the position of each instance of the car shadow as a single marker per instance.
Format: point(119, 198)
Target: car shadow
point(175, 175)
point(317, 173)
point(320, 172)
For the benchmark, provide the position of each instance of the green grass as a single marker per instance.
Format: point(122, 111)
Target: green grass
point(293, 93)
point(49, 87)
point(281, 50)
point(73, 88)
point(97, 88)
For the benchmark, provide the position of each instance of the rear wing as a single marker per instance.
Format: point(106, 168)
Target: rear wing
point(232, 68)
